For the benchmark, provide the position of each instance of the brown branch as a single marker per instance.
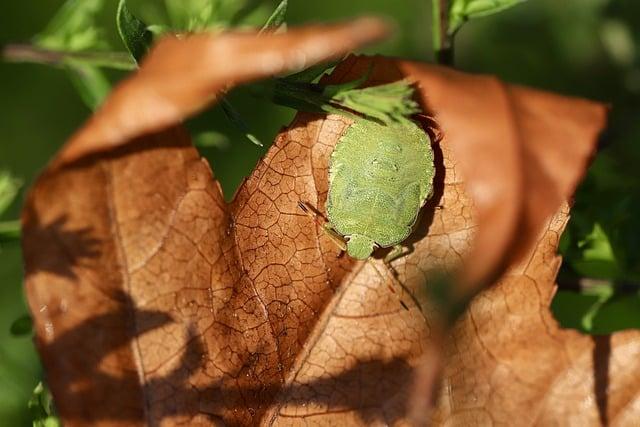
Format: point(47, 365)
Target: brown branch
point(30, 53)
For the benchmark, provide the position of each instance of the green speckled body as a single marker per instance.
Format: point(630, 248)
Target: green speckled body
point(379, 178)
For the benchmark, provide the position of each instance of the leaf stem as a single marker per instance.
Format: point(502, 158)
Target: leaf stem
point(30, 53)
point(442, 39)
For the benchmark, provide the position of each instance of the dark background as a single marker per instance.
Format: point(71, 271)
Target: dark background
point(588, 48)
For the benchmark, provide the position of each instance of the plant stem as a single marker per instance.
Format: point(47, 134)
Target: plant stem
point(30, 53)
point(442, 40)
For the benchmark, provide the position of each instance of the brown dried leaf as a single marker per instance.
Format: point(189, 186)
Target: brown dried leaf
point(157, 303)
point(508, 363)
point(159, 95)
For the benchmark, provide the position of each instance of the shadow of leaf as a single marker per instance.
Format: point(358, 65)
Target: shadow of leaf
point(55, 248)
point(90, 394)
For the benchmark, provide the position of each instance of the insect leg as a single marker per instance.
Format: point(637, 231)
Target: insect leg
point(395, 253)
point(322, 221)
point(390, 273)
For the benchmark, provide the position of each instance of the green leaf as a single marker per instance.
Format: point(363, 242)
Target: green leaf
point(312, 73)
point(133, 32)
point(234, 116)
point(600, 308)
point(597, 258)
point(461, 11)
point(41, 407)
point(9, 187)
point(22, 326)
point(277, 18)
point(90, 82)
point(388, 102)
point(191, 15)
point(74, 28)
point(332, 91)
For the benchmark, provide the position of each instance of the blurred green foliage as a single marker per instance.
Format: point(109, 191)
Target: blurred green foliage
point(588, 48)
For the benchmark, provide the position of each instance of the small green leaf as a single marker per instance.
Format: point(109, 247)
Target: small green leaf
point(461, 11)
point(41, 407)
point(277, 18)
point(74, 28)
point(90, 82)
point(388, 102)
point(22, 326)
point(133, 32)
point(602, 294)
point(191, 15)
point(312, 73)
point(234, 116)
point(332, 91)
point(9, 187)
point(597, 258)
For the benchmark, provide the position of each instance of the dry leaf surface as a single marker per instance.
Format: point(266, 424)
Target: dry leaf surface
point(155, 302)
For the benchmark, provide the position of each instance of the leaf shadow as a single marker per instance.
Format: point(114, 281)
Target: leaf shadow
point(54, 247)
point(87, 393)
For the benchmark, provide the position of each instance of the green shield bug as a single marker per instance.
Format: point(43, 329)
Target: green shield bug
point(380, 176)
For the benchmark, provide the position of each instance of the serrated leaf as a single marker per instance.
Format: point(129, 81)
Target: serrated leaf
point(133, 32)
point(387, 103)
point(74, 28)
point(277, 18)
point(9, 187)
point(462, 10)
point(336, 89)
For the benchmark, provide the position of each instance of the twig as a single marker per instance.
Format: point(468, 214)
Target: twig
point(442, 40)
point(30, 53)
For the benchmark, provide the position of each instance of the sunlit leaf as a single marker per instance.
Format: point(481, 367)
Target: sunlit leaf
point(191, 15)
point(597, 258)
point(74, 28)
point(462, 10)
point(242, 313)
point(41, 407)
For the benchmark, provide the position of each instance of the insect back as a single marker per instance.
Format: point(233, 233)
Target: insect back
point(380, 175)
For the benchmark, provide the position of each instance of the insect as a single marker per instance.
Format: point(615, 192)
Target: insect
point(380, 176)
